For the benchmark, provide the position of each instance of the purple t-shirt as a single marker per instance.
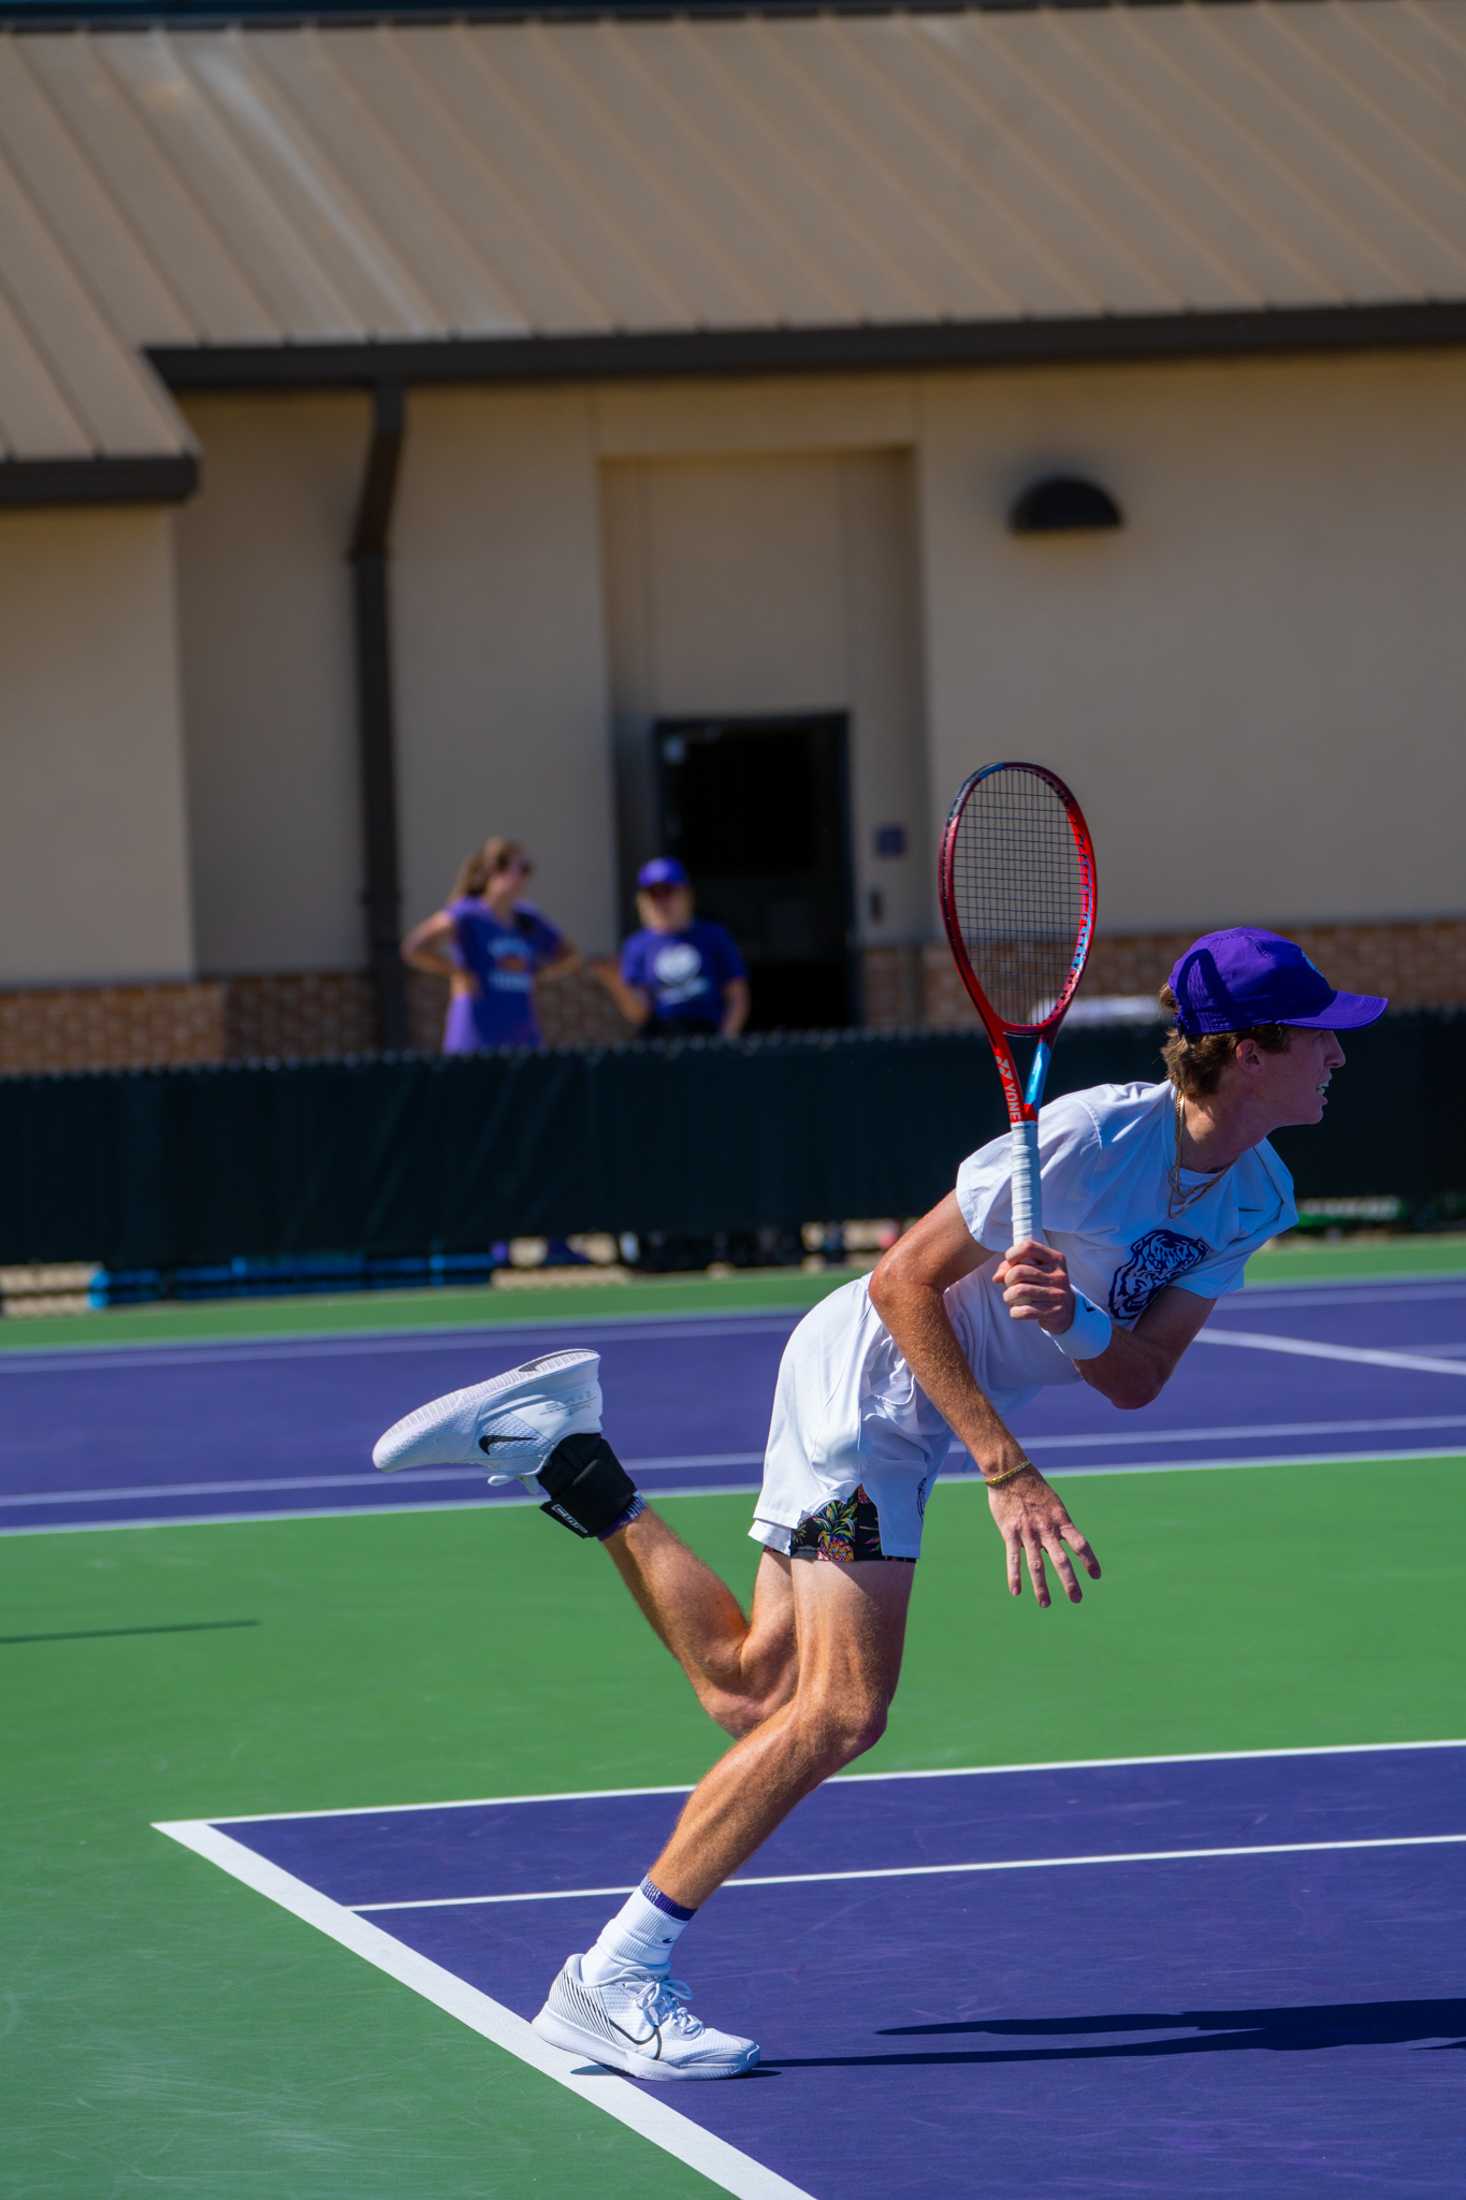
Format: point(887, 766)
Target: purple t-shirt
point(683, 973)
point(502, 959)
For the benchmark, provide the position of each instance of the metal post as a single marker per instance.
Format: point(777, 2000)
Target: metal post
point(375, 727)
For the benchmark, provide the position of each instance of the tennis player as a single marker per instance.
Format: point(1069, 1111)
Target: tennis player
point(1154, 1197)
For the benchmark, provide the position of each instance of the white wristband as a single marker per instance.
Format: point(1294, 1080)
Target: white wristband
point(1088, 1335)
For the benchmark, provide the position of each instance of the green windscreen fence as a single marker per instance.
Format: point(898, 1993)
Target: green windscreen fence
point(405, 1154)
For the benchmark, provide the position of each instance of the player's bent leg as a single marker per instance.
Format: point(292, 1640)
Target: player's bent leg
point(850, 1625)
point(741, 1668)
point(617, 2001)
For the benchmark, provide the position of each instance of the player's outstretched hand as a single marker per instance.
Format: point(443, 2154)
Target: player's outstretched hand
point(1036, 1286)
point(1033, 1520)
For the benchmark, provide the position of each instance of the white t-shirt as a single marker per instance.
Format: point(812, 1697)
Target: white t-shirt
point(1105, 1157)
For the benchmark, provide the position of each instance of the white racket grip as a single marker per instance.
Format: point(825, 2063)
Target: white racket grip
point(1027, 1199)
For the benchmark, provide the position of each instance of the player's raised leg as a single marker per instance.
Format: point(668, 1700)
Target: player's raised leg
point(741, 1669)
point(540, 1423)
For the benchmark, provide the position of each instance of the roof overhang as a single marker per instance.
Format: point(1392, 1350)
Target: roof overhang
point(910, 345)
point(36, 481)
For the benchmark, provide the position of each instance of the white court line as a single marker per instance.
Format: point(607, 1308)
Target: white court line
point(420, 1480)
point(856, 1779)
point(630, 1328)
point(1259, 1340)
point(1253, 1429)
point(723, 2165)
point(1090, 1473)
point(429, 1335)
point(130, 1493)
point(1380, 1292)
point(936, 1871)
point(1099, 1472)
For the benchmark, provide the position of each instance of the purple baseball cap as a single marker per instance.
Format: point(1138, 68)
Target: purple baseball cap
point(1229, 981)
point(662, 871)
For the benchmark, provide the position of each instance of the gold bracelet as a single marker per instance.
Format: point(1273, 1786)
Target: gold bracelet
point(996, 1481)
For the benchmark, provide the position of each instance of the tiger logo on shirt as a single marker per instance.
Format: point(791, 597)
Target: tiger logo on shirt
point(1156, 1260)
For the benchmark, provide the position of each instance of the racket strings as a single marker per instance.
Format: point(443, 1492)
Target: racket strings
point(1018, 892)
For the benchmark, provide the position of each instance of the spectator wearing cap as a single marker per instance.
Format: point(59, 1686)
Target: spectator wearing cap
point(491, 946)
point(680, 976)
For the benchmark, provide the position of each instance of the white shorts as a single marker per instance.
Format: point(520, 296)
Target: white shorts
point(832, 1431)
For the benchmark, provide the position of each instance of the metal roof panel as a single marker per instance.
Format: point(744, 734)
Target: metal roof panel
point(80, 211)
point(96, 374)
point(668, 181)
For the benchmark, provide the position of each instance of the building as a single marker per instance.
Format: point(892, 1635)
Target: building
point(624, 433)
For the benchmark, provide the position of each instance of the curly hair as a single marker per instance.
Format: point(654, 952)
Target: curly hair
point(1195, 1066)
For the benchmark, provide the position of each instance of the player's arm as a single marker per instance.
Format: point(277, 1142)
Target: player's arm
point(906, 1291)
point(1136, 1364)
point(426, 946)
point(634, 1004)
point(735, 1007)
point(562, 962)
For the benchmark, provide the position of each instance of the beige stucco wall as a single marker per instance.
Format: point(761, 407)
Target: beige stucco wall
point(498, 665)
point(1256, 687)
point(268, 683)
point(753, 586)
point(93, 858)
point(503, 723)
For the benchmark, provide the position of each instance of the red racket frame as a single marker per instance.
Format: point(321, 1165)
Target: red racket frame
point(1023, 1099)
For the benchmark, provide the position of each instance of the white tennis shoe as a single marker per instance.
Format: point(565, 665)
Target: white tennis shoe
point(511, 1423)
point(638, 2021)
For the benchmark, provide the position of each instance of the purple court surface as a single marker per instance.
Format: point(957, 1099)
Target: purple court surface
point(1137, 1978)
point(128, 1436)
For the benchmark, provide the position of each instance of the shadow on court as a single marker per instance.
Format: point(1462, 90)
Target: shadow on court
point(1220, 2032)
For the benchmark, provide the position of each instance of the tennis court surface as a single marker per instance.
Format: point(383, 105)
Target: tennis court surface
point(255, 1428)
point(1160, 1896)
point(910, 1949)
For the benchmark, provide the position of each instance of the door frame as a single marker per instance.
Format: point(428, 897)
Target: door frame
point(788, 721)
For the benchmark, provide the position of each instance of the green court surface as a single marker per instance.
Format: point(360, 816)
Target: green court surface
point(169, 2033)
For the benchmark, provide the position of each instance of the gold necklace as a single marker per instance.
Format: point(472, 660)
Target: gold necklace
point(1182, 1195)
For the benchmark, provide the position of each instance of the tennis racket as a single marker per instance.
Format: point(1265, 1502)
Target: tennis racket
point(1017, 887)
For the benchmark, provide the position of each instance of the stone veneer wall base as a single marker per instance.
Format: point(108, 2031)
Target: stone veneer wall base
point(1417, 965)
point(320, 1014)
point(287, 1016)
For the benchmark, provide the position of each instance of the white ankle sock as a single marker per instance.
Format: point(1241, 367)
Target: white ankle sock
point(644, 1931)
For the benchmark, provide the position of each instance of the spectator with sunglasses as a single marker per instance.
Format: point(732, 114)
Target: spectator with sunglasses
point(681, 976)
point(491, 946)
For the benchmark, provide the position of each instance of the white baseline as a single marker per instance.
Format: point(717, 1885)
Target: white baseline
point(723, 2165)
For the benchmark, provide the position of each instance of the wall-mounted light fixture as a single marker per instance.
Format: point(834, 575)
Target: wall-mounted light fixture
point(1062, 504)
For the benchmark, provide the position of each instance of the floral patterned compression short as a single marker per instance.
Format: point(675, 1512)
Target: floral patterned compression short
point(847, 1529)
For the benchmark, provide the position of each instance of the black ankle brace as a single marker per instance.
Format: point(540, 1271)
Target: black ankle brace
point(589, 1488)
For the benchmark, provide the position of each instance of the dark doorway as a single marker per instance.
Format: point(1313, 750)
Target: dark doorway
point(758, 810)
